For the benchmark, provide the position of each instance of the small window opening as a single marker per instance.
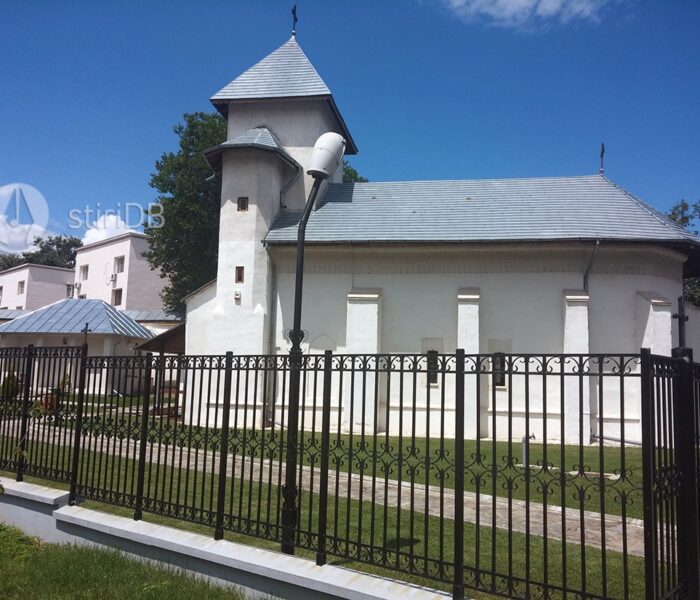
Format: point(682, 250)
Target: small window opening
point(242, 204)
point(116, 297)
point(240, 274)
point(118, 264)
point(20, 288)
point(499, 369)
point(84, 272)
point(432, 367)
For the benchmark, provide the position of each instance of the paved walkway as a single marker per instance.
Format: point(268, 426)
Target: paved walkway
point(516, 515)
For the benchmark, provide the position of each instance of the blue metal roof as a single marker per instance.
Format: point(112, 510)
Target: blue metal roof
point(7, 314)
point(487, 210)
point(69, 317)
point(148, 314)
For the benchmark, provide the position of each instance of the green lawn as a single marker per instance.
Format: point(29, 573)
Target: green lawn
point(30, 569)
point(564, 474)
point(400, 536)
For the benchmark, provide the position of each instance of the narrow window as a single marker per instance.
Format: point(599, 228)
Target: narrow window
point(242, 204)
point(432, 367)
point(240, 273)
point(499, 369)
point(69, 290)
point(84, 272)
point(0, 293)
point(116, 297)
point(118, 264)
point(20, 288)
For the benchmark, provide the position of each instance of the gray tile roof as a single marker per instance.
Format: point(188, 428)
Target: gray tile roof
point(487, 210)
point(284, 73)
point(69, 317)
point(259, 137)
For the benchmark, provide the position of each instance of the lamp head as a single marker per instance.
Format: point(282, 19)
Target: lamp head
point(326, 156)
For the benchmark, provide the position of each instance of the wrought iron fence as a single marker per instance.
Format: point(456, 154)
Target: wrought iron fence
point(516, 475)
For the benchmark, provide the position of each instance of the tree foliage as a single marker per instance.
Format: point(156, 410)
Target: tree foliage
point(351, 175)
point(52, 251)
point(185, 247)
point(687, 215)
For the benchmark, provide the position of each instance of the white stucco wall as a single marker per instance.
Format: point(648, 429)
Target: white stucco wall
point(235, 316)
point(42, 285)
point(140, 285)
point(521, 310)
point(297, 124)
point(692, 329)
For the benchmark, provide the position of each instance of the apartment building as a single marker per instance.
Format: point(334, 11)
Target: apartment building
point(28, 287)
point(115, 270)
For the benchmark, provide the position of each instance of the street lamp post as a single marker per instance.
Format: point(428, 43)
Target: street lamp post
point(327, 156)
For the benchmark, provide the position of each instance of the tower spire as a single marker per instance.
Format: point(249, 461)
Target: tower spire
point(294, 19)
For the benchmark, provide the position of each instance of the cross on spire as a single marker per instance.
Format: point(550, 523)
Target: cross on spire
point(294, 19)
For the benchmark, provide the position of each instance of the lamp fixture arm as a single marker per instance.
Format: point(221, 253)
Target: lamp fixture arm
point(296, 334)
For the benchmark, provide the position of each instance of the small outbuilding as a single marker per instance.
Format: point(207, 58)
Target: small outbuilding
point(110, 332)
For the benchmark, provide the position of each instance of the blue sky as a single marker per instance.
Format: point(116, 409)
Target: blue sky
point(430, 89)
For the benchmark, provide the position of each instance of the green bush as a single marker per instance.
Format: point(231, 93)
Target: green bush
point(10, 387)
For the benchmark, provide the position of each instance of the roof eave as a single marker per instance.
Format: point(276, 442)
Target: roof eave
point(213, 154)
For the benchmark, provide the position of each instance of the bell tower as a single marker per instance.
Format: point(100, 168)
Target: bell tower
point(276, 110)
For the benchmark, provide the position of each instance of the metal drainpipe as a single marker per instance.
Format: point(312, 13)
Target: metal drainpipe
point(590, 265)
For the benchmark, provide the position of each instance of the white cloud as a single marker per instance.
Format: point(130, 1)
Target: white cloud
point(18, 237)
point(105, 227)
point(526, 13)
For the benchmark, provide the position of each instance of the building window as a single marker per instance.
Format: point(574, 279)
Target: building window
point(242, 204)
point(20, 288)
point(69, 290)
point(116, 297)
point(433, 368)
point(240, 274)
point(84, 272)
point(0, 293)
point(498, 362)
point(118, 264)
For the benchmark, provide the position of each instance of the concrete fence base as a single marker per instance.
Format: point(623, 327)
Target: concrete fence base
point(43, 512)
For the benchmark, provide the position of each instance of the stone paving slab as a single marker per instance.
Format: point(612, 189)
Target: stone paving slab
point(590, 528)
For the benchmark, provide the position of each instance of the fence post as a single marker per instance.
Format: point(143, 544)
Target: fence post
point(138, 505)
point(219, 530)
point(458, 583)
point(77, 439)
point(28, 365)
point(685, 455)
point(325, 444)
point(648, 474)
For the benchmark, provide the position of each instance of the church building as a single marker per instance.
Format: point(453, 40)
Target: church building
point(571, 264)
